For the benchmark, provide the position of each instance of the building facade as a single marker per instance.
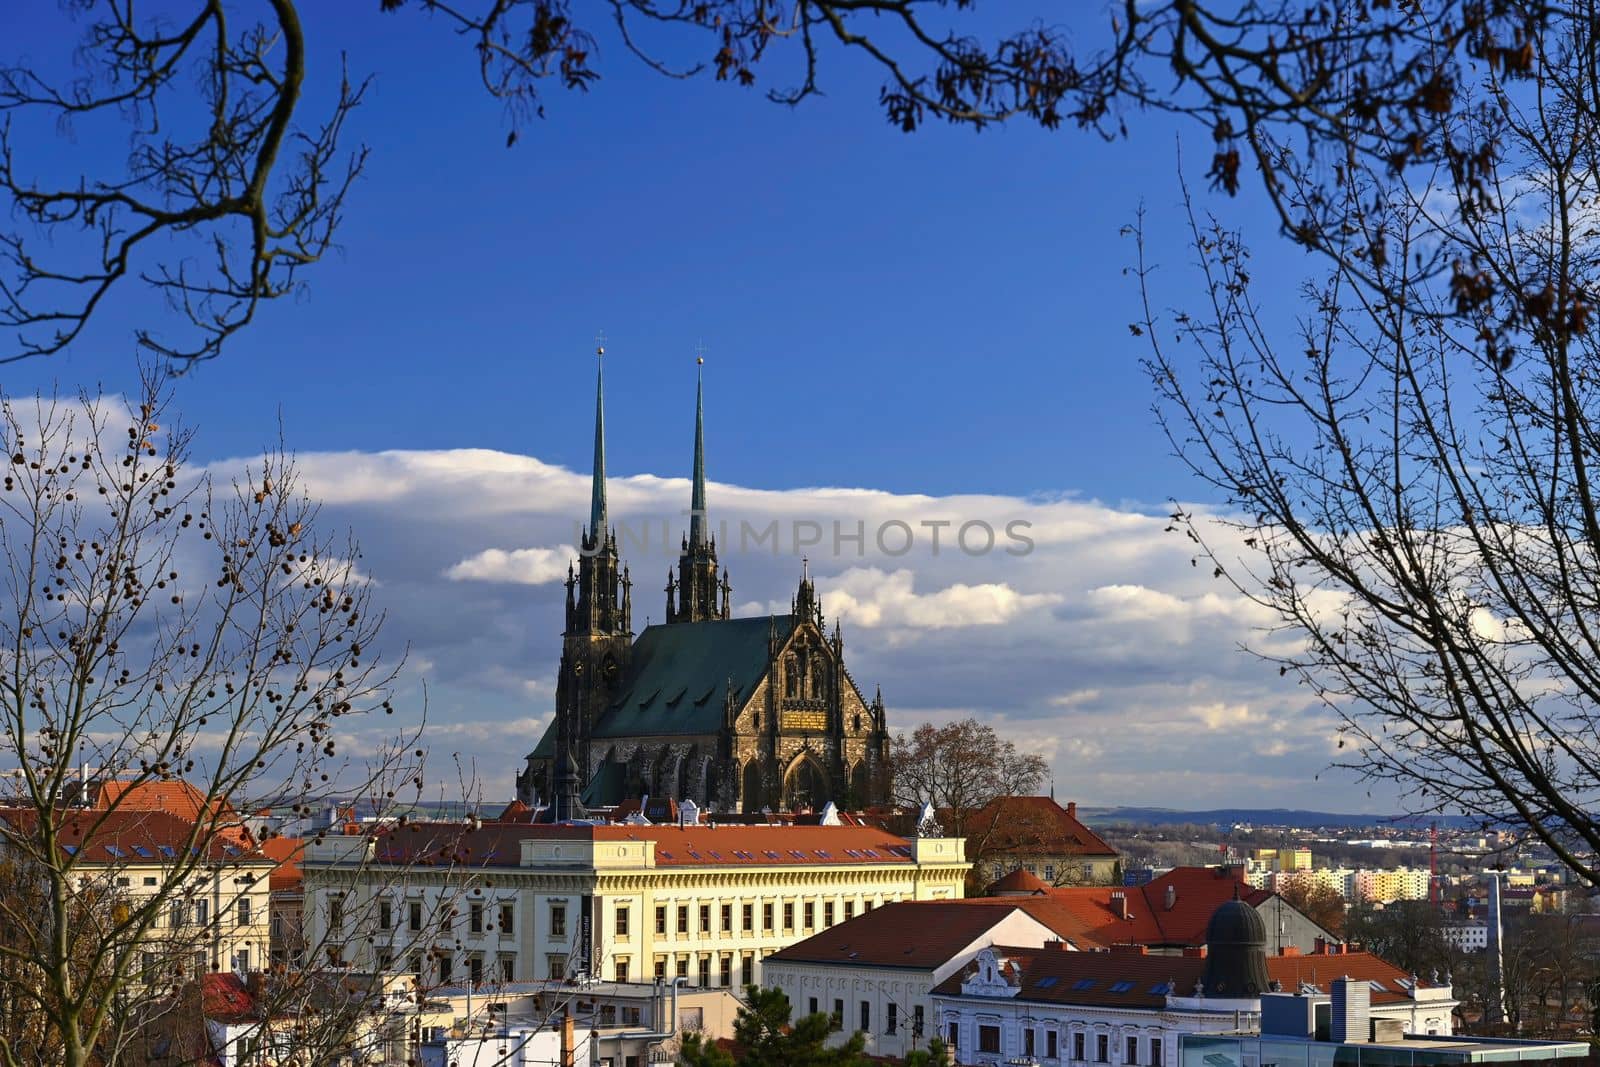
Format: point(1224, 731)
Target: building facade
point(622, 903)
point(875, 974)
point(1127, 1008)
point(213, 911)
point(1037, 835)
point(734, 714)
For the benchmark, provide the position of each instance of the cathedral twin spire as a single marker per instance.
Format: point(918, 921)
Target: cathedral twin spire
point(599, 600)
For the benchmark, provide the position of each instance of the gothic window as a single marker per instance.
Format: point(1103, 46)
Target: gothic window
point(791, 677)
point(855, 724)
point(805, 786)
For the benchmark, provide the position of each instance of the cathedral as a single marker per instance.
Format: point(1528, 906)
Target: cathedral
point(738, 715)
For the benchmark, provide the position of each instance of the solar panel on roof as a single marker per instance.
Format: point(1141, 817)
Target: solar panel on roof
point(1045, 983)
point(1121, 987)
point(1161, 990)
point(797, 854)
point(115, 851)
point(71, 850)
point(771, 855)
point(145, 852)
point(871, 852)
point(665, 854)
point(824, 853)
point(1378, 987)
point(1083, 983)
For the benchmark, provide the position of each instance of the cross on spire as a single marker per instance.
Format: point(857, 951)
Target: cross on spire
point(600, 342)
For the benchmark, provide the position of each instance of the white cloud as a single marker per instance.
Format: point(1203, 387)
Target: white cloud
point(869, 597)
point(525, 566)
point(1101, 647)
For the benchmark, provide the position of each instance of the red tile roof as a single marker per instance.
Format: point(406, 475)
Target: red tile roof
point(123, 836)
point(516, 811)
point(918, 934)
point(1132, 980)
point(1034, 825)
point(225, 999)
point(285, 852)
point(1018, 882)
point(1139, 915)
point(177, 796)
point(499, 844)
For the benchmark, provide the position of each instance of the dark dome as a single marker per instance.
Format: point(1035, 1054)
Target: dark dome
point(1236, 952)
point(1236, 923)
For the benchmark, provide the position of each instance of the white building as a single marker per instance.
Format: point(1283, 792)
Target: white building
point(1127, 1008)
point(509, 902)
point(875, 973)
point(1467, 936)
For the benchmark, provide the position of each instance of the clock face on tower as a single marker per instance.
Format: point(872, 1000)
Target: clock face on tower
point(608, 669)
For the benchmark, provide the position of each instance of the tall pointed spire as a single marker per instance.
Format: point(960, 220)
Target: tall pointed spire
point(697, 585)
point(597, 491)
point(697, 499)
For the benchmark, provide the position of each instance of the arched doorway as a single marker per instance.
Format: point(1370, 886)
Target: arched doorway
point(805, 785)
point(752, 795)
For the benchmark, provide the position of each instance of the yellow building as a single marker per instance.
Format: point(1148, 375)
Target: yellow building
point(215, 913)
point(516, 902)
point(1294, 859)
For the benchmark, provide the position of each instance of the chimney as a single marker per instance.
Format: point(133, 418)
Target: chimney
point(1172, 896)
point(1130, 950)
point(1289, 950)
point(1319, 946)
point(1352, 1011)
point(568, 1058)
point(1072, 809)
point(1119, 903)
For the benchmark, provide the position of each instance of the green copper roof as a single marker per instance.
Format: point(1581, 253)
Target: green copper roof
point(597, 491)
point(679, 672)
point(677, 677)
point(607, 787)
point(697, 499)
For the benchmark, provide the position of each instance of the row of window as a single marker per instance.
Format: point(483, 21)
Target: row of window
point(1086, 871)
point(477, 970)
point(478, 917)
point(181, 913)
point(891, 1019)
point(700, 969)
point(680, 919)
point(989, 1041)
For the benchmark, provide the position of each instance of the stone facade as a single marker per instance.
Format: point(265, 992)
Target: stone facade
point(734, 714)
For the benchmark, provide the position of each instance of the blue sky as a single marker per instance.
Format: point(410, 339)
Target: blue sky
point(938, 317)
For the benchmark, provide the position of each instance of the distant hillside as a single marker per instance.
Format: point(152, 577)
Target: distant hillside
point(1305, 820)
